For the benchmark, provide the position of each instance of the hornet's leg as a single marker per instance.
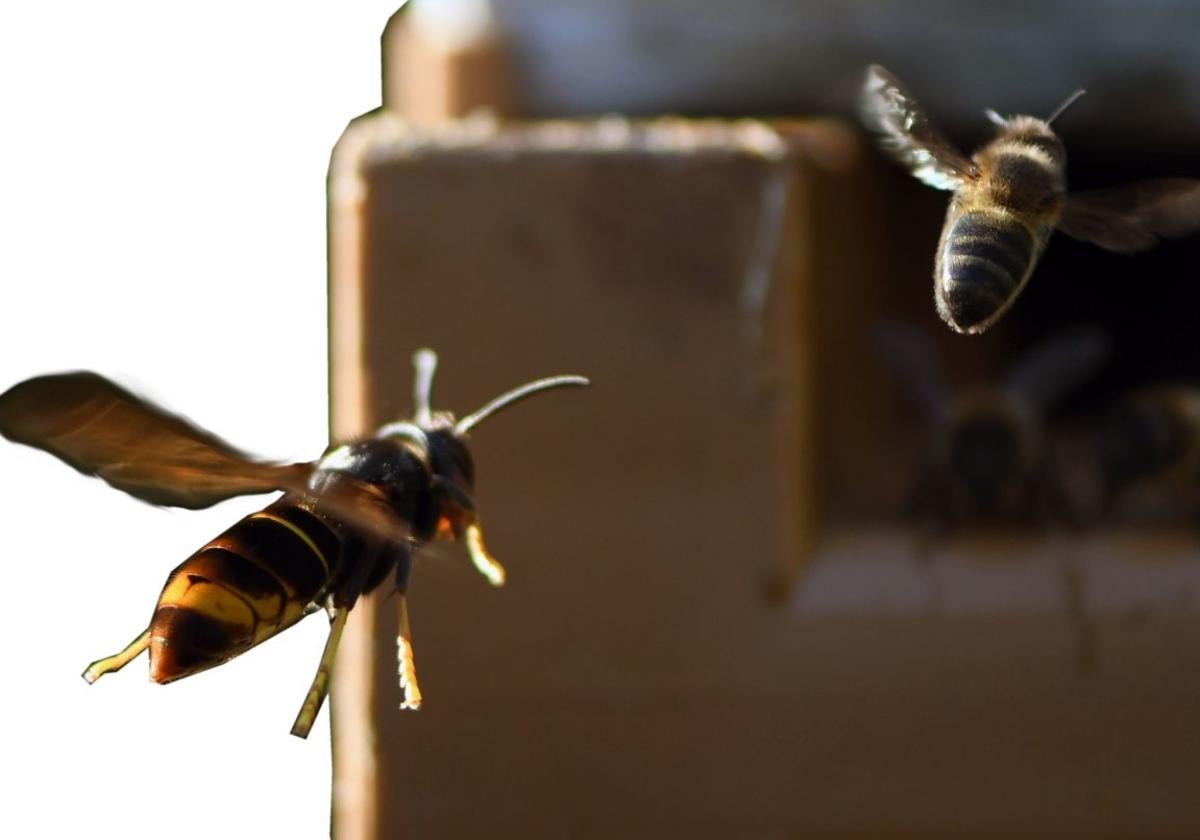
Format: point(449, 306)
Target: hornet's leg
point(466, 528)
point(320, 684)
point(488, 566)
point(344, 600)
point(405, 665)
point(404, 660)
point(118, 660)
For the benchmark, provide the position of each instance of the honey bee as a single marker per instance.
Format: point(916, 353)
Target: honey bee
point(987, 458)
point(345, 524)
point(1150, 440)
point(1009, 197)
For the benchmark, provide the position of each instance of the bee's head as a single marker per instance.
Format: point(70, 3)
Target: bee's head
point(1021, 123)
point(1040, 141)
point(1027, 163)
point(989, 448)
point(1030, 160)
point(1035, 132)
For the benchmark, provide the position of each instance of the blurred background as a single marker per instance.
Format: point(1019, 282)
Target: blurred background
point(736, 607)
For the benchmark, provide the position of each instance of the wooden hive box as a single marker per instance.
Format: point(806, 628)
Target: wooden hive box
point(632, 679)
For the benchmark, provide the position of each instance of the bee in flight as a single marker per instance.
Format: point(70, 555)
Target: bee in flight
point(1009, 197)
point(345, 524)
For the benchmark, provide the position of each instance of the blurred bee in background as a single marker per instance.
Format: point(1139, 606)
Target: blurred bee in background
point(988, 460)
point(1009, 196)
point(1149, 445)
point(345, 524)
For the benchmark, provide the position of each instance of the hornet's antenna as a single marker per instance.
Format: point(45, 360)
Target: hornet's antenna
point(425, 361)
point(515, 395)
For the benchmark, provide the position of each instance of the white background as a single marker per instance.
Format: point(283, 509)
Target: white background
point(162, 220)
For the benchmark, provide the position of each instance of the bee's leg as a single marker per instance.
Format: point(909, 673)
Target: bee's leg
point(339, 605)
point(928, 508)
point(1056, 500)
point(1074, 583)
point(118, 660)
point(405, 665)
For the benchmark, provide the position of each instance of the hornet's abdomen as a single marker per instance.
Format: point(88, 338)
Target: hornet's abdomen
point(245, 586)
point(983, 260)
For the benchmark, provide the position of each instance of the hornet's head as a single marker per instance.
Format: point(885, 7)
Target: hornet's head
point(439, 441)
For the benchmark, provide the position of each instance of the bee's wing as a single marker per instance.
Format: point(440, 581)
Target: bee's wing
point(912, 357)
point(1063, 362)
point(101, 429)
point(890, 111)
point(1136, 216)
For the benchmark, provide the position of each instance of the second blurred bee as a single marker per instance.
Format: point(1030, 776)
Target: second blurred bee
point(987, 460)
point(1149, 451)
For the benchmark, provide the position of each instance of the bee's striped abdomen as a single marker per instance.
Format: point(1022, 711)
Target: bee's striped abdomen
point(984, 259)
point(245, 586)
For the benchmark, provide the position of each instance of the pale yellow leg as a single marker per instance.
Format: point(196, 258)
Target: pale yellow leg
point(484, 562)
point(320, 684)
point(404, 660)
point(118, 660)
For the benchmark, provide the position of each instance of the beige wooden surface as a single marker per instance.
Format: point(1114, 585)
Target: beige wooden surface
point(639, 520)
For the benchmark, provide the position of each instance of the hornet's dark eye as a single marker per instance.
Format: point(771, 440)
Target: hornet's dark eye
point(451, 458)
point(463, 462)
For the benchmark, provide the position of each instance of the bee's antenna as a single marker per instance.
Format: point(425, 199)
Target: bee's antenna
point(1071, 100)
point(516, 394)
point(425, 362)
point(995, 118)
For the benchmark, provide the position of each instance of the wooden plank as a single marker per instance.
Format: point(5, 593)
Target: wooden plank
point(623, 251)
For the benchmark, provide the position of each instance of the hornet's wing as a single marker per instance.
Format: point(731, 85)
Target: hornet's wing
point(101, 429)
